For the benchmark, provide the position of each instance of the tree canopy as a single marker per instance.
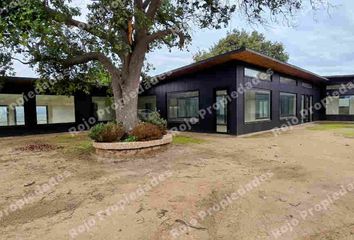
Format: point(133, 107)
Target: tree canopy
point(238, 39)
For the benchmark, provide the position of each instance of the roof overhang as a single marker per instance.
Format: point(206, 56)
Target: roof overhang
point(247, 56)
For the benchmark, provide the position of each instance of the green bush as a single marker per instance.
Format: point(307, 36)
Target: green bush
point(156, 119)
point(147, 132)
point(130, 139)
point(110, 132)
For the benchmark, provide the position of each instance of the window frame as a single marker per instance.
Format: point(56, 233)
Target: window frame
point(47, 109)
point(7, 115)
point(184, 118)
point(306, 85)
point(339, 97)
point(15, 115)
point(288, 78)
point(269, 119)
point(295, 107)
point(268, 79)
point(46, 114)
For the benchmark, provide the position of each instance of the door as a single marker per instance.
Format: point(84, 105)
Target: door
point(221, 111)
point(306, 108)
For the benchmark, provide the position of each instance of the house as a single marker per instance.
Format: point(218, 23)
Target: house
point(237, 92)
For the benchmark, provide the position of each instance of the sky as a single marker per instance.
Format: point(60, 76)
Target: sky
point(320, 41)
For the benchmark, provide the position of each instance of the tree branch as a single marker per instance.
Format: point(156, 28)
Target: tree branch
point(164, 33)
point(93, 56)
point(154, 5)
point(69, 21)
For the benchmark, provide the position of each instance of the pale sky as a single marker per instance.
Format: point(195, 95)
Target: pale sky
point(322, 42)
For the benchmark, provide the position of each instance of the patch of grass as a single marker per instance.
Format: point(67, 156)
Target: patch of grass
point(187, 140)
point(331, 126)
point(346, 129)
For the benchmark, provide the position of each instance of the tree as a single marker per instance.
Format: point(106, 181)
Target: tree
point(238, 39)
point(112, 38)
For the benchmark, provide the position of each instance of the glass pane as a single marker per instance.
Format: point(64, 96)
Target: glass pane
point(183, 105)
point(55, 109)
point(332, 105)
point(289, 81)
point(257, 105)
point(12, 111)
point(261, 75)
point(287, 105)
point(103, 108)
point(42, 114)
point(3, 116)
point(306, 85)
point(20, 115)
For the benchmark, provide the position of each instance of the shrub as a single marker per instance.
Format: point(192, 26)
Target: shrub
point(130, 139)
point(147, 132)
point(109, 132)
point(156, 119)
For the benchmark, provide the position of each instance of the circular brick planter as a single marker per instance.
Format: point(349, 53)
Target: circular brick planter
point(129, 149)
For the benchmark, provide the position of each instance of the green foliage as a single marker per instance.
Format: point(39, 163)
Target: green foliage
point(239, 39)
point(109, 132)
point(156, 119)
point(130, 139)
point(179, 139)
point(146, 132)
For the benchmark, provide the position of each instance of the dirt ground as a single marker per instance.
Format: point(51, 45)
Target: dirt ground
point(208, 190)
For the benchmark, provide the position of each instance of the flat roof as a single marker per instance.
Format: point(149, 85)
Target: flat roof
point(247, 56)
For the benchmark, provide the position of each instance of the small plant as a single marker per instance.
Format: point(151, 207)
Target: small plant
point(130, 139)
point(147, 132)
point(156, 119)
point(110, 132)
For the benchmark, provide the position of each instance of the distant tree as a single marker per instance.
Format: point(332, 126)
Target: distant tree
point(238, 39)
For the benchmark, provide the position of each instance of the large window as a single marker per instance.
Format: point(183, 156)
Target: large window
point(288, 81)
point(55, 109)
point(343, 105)
point(103, 108)
point(261, 75)
point(183, 105)
point(257, 105)
point(11, 110)
point(287, 105)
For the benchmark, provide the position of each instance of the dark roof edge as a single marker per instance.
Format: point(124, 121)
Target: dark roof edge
point(197, 64)
point(288, 64)
point(341, 76)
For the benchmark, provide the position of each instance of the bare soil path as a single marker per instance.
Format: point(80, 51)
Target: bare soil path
point(303, 170)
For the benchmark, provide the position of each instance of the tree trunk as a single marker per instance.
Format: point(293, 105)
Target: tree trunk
point(126, 100)
point(126, 88)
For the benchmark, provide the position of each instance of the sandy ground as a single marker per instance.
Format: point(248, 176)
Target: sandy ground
point(304, 189)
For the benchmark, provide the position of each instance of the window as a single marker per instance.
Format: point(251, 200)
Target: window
point(183, 105)
point(306, 85)
point(4, 116)
point(287, 105)
point(288, 81)
point(261, 75)
point(103, 108)
point(147, 103)
point(20, 115)
point(333, 87)
point(42, 114)
point(257, 105)
point(343, 105)
point(11, 110)
point(55, 109)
